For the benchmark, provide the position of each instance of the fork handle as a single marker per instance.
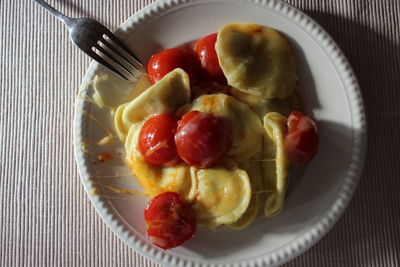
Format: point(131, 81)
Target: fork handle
point(56, 13)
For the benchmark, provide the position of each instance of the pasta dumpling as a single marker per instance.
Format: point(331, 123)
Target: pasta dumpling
point(275, 171)
point(257, 60)
point(253, 167)
point(165, 96)
point(223, 194)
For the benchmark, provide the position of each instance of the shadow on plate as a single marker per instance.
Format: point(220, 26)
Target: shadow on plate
point(368, 230)
point(306, 83)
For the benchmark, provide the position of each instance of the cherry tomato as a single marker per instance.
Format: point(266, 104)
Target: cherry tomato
point(205, 50)
point(302, 139)
point(165, 61)
point(170, 220)
point(202, 139)
point(156, 140)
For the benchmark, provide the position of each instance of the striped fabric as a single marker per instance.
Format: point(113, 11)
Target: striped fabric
point(45, 217)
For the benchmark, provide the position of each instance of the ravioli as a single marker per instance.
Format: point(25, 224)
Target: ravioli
point(166, 95)
point(253, 167)
point(262, 106)
point(223, 194)
point(107, 90)
point(246, 126)
point(275, 172)
point(256, 60)
point(155, 179)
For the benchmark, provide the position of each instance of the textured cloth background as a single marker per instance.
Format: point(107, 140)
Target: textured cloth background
point(46, 218)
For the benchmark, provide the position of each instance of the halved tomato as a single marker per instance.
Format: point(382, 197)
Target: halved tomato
point(170, 220)
point(302, 139)
point(203, 139)
point(205, 50)
point(160, 64)
point(156, 140)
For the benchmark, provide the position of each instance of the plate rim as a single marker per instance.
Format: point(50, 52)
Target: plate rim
point(345, 192)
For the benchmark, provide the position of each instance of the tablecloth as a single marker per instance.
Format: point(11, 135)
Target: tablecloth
point(47, 220)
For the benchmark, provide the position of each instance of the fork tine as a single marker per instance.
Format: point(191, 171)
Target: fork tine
point(106, 53)
point(110, 35)
point(100, 60)
point(112, 48)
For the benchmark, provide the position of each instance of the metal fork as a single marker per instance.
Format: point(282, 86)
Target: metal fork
point(99, 43)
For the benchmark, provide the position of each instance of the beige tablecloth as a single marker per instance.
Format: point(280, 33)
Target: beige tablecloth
point(46, 218)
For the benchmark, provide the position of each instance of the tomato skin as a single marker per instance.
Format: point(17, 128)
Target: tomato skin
point(156, 140)
point(167, 60)
point(302, 139)
point(205, 50)
point(170, 220)
point(202, 139)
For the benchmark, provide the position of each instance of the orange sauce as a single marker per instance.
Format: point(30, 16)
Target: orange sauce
point(103, 157)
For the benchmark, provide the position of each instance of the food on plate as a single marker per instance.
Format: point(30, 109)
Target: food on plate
point(246, 127)
point(158, 179)
point(156, 140)
point(254, 171)
point(205, 50)
point(223, 194)
point(216, 132)
point(162, 63)
point(170, 220)
point(256, 60)
point(302, 139)
point(203, 139)
point(165, 96)
point(275, 180)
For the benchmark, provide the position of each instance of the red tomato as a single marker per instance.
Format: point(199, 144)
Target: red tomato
point(302, 139)
point(156, 140)
point(205, 50)
point(170, 220)
point(202, 139)
point(165, 61)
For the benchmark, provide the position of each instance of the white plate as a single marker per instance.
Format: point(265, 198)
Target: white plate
point(319, 192)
